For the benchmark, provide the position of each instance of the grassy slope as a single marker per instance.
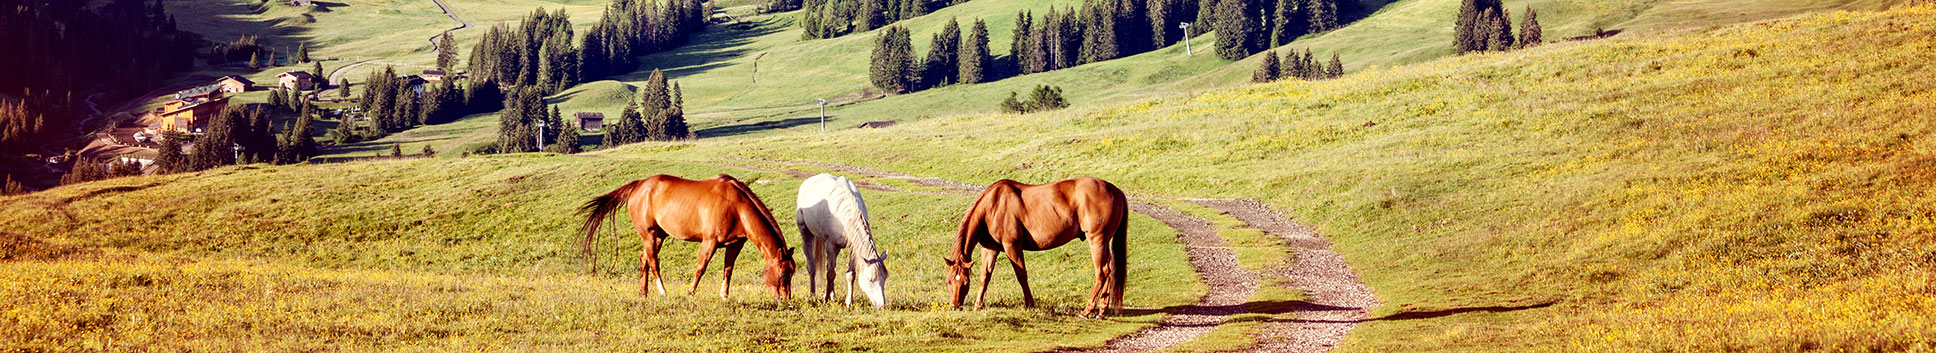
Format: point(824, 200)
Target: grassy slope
point(1762, 186)
point(717, 72)
point(480, 254)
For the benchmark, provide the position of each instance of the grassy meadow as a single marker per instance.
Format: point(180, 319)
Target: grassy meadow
point(1760, 186)
point(480, 255)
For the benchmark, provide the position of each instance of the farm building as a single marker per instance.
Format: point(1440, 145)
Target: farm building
point(192, 108)
point(234, 84)
point(589, 120)
point(296, 80)
point(432, 75)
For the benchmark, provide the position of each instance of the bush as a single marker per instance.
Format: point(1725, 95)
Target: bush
point(1043, 98)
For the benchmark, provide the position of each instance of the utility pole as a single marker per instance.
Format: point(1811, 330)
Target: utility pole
point(540, 125)
point(823, 115)
point(1186, 38)
point(238, 153)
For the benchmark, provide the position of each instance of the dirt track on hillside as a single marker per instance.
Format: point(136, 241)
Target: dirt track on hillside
point(1336, 301)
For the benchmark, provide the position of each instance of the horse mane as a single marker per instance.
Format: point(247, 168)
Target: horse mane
point(766, 214)
point(976, 220)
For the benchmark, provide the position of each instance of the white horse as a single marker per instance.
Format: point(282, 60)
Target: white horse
point(831, 216)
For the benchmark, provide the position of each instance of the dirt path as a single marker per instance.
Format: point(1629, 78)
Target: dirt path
point(434, 45)
point(1335, 298)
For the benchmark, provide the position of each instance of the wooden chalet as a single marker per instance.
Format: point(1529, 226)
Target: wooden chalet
point(589, 121)
point(234, 84)
point(296, 80)
point(192, 108)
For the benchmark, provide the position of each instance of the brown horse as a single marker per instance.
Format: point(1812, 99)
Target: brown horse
point(717, 212)
point(1012, 217)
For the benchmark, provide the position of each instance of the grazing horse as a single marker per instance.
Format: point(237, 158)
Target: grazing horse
point(832, 216)
point(717, 212)
point(1012, 217)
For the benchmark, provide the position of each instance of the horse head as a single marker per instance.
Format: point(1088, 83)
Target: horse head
point(957, 280)
point(779, 275)
point(872, 275)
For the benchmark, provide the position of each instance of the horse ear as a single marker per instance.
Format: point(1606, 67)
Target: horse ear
point(789, 251)
point(882, 255)
point(951, 262)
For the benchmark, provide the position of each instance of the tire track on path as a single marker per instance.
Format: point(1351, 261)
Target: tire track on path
point(336, 76)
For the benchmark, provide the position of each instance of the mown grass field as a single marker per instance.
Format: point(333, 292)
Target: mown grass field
point(1760, 186)
point(480, 255)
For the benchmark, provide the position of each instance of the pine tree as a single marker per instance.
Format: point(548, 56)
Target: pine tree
point(1337, 67)
point(1019, 49)
point(1324, 15)
point(1499, 36)
point(396, 150)
point(1267, 71)
point(1289, 22)
point(302, 52)
point(255, 62)
point(893, 61)
point(446, 52)
point(974, 55)
point(1529, 31)
point(942, 65)
point(169, 158)
point(1469, 31)
point(1234, 30)
point(317, 70)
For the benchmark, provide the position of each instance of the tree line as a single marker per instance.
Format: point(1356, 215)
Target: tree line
point(834, 18)
point(536, 59)
point(951, 59)
point(1303, 66)
point(1485, 25)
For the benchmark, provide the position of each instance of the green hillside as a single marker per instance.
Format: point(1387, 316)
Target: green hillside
point(725, 94)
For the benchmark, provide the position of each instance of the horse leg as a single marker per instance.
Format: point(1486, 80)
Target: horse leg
point(813, 256)
point(1099, 253)
point(652, 264)
point(1021, 276)
point(828, 255)
point(732, 254)
point(705, 255)
point(987, 271)
point(850, 277)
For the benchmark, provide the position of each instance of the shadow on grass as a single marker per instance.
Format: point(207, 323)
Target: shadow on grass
point(740, 129)
point(709, 50)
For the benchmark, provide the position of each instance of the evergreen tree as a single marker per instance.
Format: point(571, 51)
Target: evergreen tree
point(942, 67)
point(1469, 31)
point(1267, 71)
point(974, 58)
point(1337, 67)
point(1324, 15)
point(255, 62)
point(302, 52)
point(1099, 33)
point(893, 61)
point(317, 71)
point(396, 150)
point(428, 152)
point(169, 158)
point(1498, 30)
point(446, 52)
point(1529, 31)
point(1235, 32)
point(1019, 49)
point(1290, 21)
point(567, 139)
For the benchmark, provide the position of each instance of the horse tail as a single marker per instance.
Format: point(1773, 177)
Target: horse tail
point(1119, 249)
point(596, 211)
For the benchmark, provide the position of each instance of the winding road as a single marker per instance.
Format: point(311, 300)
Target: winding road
point(1336, 300)
point(336, 76)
